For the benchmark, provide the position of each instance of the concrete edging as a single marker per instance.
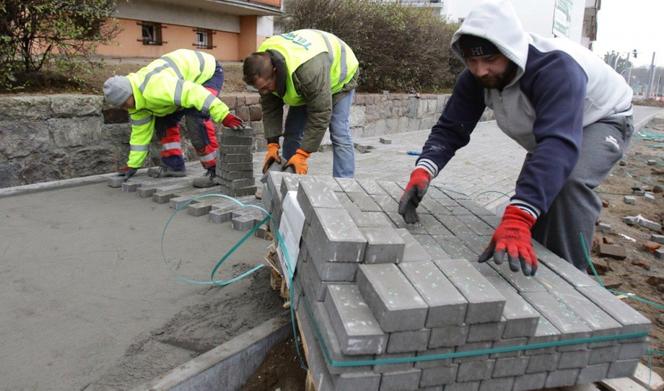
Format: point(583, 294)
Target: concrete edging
point(229, 365)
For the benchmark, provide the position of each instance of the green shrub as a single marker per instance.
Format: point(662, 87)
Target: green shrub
point(57, 34)
point(400, 48)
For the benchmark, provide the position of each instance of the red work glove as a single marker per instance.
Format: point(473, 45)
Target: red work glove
point(299, 162)
point(511, 241)
point(415, 190)
point(233, 122)
point(271, 156)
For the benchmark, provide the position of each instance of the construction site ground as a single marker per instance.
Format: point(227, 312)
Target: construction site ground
point(89, 304)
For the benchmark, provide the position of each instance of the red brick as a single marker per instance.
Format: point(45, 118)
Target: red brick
point(613, 251)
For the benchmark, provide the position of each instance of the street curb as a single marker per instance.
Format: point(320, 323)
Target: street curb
point(229, 365)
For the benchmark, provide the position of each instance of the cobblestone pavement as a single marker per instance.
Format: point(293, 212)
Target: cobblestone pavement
point(485, 170)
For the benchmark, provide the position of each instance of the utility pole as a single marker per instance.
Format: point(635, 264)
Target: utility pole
point(651, 77)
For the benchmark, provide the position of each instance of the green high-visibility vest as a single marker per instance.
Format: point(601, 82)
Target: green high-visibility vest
point(166, 85)
point(298, 47)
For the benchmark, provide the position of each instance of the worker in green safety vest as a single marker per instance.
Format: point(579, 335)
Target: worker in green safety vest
point(180, 83)
point(314, 73)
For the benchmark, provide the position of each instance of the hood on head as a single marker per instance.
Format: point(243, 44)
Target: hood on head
point(496, 21)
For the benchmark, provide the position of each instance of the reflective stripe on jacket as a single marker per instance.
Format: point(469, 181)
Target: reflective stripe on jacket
point(167, 84)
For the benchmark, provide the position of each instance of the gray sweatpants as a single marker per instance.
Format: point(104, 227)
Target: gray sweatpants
point(577, 207)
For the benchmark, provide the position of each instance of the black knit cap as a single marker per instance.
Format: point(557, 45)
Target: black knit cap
point(473, 46)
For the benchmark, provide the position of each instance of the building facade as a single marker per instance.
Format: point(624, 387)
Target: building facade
point(227, 29)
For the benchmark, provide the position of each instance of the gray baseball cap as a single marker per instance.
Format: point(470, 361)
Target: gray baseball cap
point(116, 90)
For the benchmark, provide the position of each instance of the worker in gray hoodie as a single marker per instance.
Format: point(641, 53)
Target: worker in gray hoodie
point(558, 100)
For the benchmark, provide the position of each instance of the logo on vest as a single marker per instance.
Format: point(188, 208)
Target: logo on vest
point(296, 39)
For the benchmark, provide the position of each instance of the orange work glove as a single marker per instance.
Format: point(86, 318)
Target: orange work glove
point(271, 156)
point(299, 161)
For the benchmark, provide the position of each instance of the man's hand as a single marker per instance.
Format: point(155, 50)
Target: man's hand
point(511, 242)
point(233, 122)
point(299, 162)
point(127, 172)
point(271, 156)
point(415, 190)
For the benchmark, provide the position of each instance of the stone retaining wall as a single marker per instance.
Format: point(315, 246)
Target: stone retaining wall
point(49, 137)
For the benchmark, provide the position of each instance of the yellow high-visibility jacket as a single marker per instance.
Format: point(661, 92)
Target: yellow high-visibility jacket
point(167, 84)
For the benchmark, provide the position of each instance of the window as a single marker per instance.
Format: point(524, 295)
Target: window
point(150, 33)
point(203, 39)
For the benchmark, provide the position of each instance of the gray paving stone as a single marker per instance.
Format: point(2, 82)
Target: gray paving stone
point(605, 354)
point(386, 203)
point(447, 306)
point(475, 370)
point(593, 373)
point(475, 208)
point(363, 201)
point(481, 332)
point(434, 227)
point(413, 250)
point(471, 347)
point(632, 350)
point(431, 246)
point(115, 181)
point(520, 282)
point(392, 189)
point(334, 237)
point(327, 180)
point(561, 316)
point(289, 183)
point(563, 268)
point(349, 185)
point(485, 303)
point(331, 343)
point(510, 366)
point(384, 245)
point(543, 363)
point(513, 342)
point(220, 216)
point(312, 195)
point(454, 247)
point(468, 386)
point(545, 332)
point(357, 329)
point(311, 283)
point(456, 226)
point(448, 336)
point(599, 321)
point(519, 316)
point(392, 298)
point(243, 223)
point(528, 382)
point(365, 381)
point(574, 359)
point(562, 378)
point(370, 219)
point(434, 363)
point(622, 368)
point(235, 158)
point(477, 225)
point(190, 196)
point(408, 341)
point(334, 271)
point(503, 384)
point(401, 380)
point(440, 375)
point(631, 319)
point(383, 368)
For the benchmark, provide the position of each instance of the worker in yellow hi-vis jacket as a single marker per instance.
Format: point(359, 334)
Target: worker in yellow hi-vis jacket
point(180, 83)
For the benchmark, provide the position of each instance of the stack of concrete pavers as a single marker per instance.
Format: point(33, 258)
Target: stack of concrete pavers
point(235, 171)
point(371, 287)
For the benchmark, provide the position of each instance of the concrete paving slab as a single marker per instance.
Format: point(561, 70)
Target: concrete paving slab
point(485, 303)
point(391, 297)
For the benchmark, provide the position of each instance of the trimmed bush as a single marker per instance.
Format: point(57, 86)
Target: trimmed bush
point(400, 48)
